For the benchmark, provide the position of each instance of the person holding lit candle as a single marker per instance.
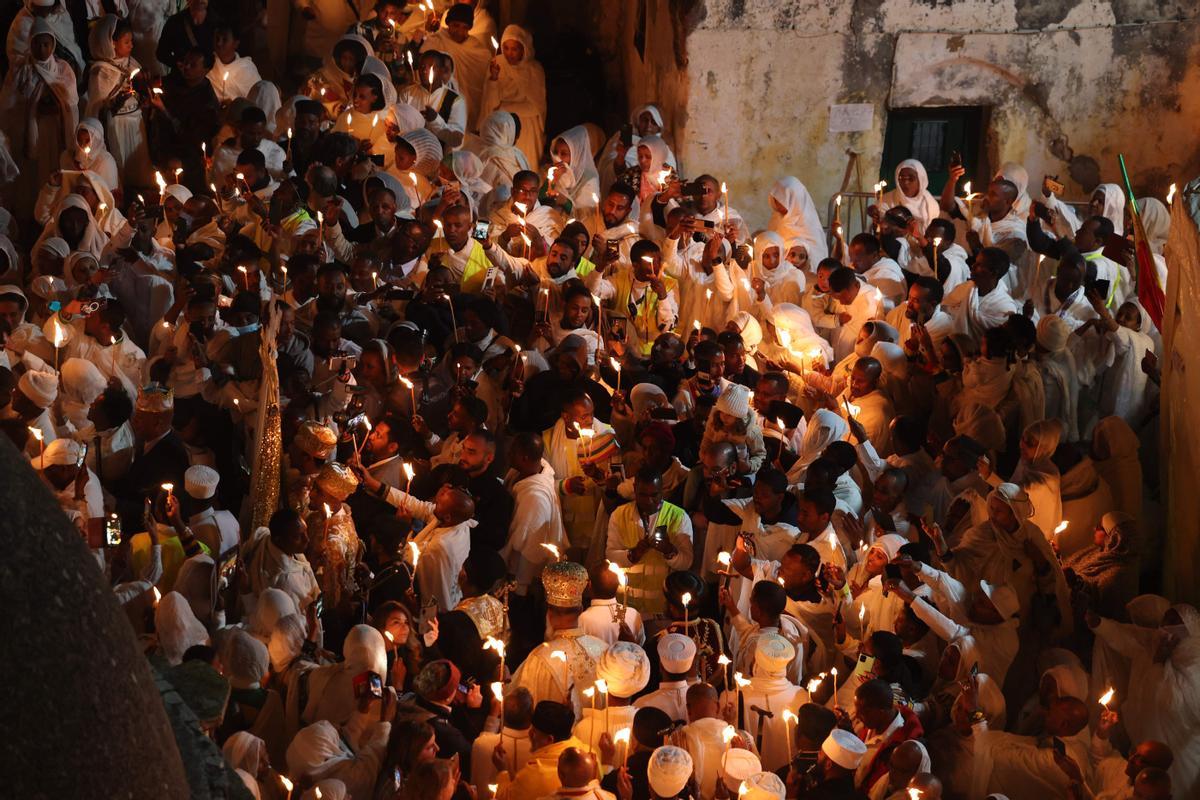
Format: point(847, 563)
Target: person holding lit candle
point(572, 183)
point(112, 96)
point(516, 85)
point(625, 669)
point(562, 679)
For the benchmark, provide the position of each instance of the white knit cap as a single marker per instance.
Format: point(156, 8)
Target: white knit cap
point(58, 453)
point(772, 654)
point(626, 669)
point(844, 749)
point(40, 387)
point(762, 786)
point(734, 401)
point(737, 765)
point(201, 481)
point(676, 652)
point(669, 770)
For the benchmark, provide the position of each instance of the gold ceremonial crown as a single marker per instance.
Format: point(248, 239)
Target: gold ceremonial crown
point(486, 612)
point(565, 582)
point(315, 439)
point(155, 399)
point(337, 481)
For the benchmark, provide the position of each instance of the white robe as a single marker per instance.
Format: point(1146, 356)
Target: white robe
point(442, 551)
point(235, 79)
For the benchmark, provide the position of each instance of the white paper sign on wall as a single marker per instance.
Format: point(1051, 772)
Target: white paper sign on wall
point(851, 117)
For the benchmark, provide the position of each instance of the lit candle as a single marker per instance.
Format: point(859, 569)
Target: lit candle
point(178, 172)
point(162, 185)
point(37, 434)
point(837, 208)
point(590, 694)
point(586, 434)
point(602, 687)
point(726, 662)
point(815, 683)
point(157, 596)
point(621, 739)
point(553, 551)
point(616, 365)
point(412, 391)
point(545, 293)
point(937, 242)
point(684, 601)
point(414, 551)
point(289, 144)
point(495, 45)
point(245, 277)
point(1171, 194)
point(741, 684)
point(725, 198)
point(726, 562)
point(287, 784)
point(1106, 698)
point(168, 488)
point(789, 719)
point(374, 280)
point(833, 672)
point(914, 794)
point(623, 583)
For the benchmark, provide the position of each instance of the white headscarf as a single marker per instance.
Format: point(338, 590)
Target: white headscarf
point(1114, 206)
point(803, 339)
point(501, 157)
point(823, 429)
point(582, 168)
point(800, 219)
point(265, 95)
point(1019, 177)
point(1156, 219)
point(924, 206)
point(467, 167)
point(406, 117)
point(272, 605)
point(373, 66)
point(331, 689)
point(244, 750)
point(82, 383)
point(177, 627)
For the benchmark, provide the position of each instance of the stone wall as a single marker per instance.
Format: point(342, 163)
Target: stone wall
point(748, 84)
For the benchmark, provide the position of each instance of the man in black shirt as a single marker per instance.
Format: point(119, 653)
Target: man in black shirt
point(191, 27)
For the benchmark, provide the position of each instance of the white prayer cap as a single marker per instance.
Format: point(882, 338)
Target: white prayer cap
point(676, 652)
point(844, 749)
point(626, 669)
point(201, 481)
point(60, 452)
point(40, 387)
point(772, 654)
point(1003, 598)
point(669, 770)
point(737, 765)
point(762, 786)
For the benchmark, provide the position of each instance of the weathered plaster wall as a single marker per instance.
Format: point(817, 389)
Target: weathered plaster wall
point(1070, 84)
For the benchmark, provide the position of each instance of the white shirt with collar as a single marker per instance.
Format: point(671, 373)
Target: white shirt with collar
point(598, 620)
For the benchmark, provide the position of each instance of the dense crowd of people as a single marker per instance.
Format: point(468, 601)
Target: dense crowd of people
point(467, 459)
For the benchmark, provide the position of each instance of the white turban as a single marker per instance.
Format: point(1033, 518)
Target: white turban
point(750, 329)
point(676, 652)
point(737, 765)
point(626, 669)
point(762, 786)
point(772, 654)
point(844, 749)
point(669, 770)
point(59, 453)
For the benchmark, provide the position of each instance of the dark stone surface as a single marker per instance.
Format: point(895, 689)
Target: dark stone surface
point(81, 716)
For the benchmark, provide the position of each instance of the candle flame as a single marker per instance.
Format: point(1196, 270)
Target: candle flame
point(328, 511)
point(168, 487)
point(862, 614)
point(724, 659)
point(178, 171)
point(158, 179)
point(1107, 697)
point(724, 188)
point(317, 792)
point(553, 550)
point(407, 383)
point(741, 681)
point(1062, 526)
point(1171, 194)
point(788, 716)
point(619, 572)
point(37, 432)
point(602, 686)
point(616, 365)
point(226, 76)
point(242, 269)
point(287, 784)
point(724, 558)
point(622, 735)
point(708, 295)
point(495, 44)
point(728, 733)
point(967, 188)
point(837, 200)
point(498, 690)
point(696, 324)
point(157, 595)
point(495, 644)
point(348, 118)
point(388, 635)
point(914, 794)
point(289, 135)
point(560, 655)
point(686, 599)
point(937, 241)
point(136, 70)
point(813, 685)
point(431, 77)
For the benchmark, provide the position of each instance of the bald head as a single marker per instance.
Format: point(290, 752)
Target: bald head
point(701, 702)
point(927, 784)
point(1066, 716)
point(1149, 753)
point(1152, 783)
point(904, 763)
point(576, 768)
